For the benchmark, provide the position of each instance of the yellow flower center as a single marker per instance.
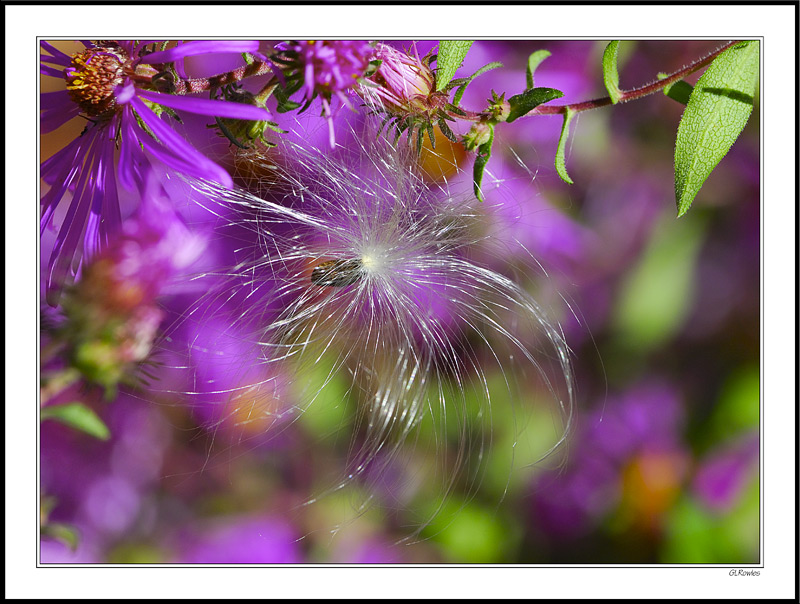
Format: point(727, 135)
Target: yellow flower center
point(92, 78)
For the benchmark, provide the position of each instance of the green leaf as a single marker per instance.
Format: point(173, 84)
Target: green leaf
point(716, 114)
point(530, 99)
point(484, 153)
point(534, 61)
point(610, 74)
point(678, 91)
point(79, 416)
point(561, 162)
point(451, 55)
point(65, 533)
point(462, 83)
point(656, 297)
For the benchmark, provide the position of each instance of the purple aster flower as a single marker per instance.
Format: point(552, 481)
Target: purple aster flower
point(328, 67)
point(115, 86)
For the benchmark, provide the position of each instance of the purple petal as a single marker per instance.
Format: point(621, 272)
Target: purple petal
point(130, 153)
point(58, 57)
point(52, 100)
point(51, 71)
point(54, 118)
point(73, 226)
point(200, 48)
point(125, 93)
point(65, 162)
point(207, 106)
point(180, 67)
point(196, 165)
point(112, 220)
point(64, 156)
point(177, 151)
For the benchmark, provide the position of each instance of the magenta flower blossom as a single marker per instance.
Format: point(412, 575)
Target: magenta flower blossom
point(328, 67)
point(115, 86)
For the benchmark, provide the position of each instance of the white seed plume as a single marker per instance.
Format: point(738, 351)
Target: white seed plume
point(365, 270)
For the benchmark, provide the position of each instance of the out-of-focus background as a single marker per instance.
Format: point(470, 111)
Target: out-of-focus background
point(661, 316)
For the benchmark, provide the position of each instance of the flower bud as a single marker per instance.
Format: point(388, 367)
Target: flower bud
point(402, 84)
point(479, 134)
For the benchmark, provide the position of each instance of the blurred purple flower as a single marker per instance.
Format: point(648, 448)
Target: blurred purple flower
point(723, 475)
point(630, 453)
point(100, 487)
point(154, 245)
point(110, 317)
point(526, 225)
point(114, 85)
point(245, 540)
point(328, 67)
point(233, 392)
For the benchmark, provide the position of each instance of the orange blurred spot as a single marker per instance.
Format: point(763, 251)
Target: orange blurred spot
point(444, 161)
point(651, 484)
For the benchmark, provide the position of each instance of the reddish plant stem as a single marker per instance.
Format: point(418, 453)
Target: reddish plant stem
point(190, 86)
point(628, 95)
point(636, 93)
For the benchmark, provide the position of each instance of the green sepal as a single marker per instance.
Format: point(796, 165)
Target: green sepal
point(449, 58)
point(431, 134)
point(447, 131)
point(481, 159)
point(717, 112)
point(282, 95)
point(610, 73)
point(373, 67)
point(561, 163)
point(534, 61)
point(79, 416)
point(530, 99)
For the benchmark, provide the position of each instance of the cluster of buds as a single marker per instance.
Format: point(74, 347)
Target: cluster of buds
point(482, 131)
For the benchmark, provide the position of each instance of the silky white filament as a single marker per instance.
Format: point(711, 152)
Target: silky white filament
point(364, 270)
